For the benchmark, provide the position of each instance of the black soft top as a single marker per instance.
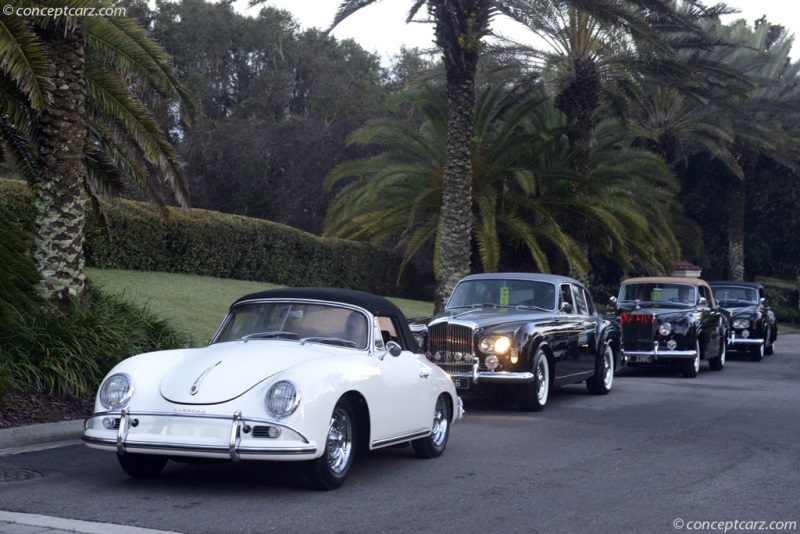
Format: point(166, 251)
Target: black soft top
point(374, 304)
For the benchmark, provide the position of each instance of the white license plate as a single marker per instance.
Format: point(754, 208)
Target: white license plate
point(461, 383)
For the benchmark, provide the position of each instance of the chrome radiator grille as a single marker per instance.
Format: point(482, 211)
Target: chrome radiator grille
point(638, 332)
point(448, 342)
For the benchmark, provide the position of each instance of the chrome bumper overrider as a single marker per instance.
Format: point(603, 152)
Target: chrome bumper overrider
point(231, 447)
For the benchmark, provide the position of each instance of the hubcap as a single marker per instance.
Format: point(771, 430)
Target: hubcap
point(608, 368)
point(340, 441)
point(440, 423)
point(541, 380)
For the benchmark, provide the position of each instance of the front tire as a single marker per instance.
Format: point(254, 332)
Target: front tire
point(770, 348)
point(757, 352)
point(603, 379)
point(718, 363)
point(533, 397)
point(142, 465)
point(330, 470)
point(690, 368)
point(433, 446)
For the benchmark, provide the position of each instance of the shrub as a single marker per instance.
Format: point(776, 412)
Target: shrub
point(69, 352)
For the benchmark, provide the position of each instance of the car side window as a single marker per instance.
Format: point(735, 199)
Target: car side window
point(386, 331)
point(580, 301)
point(705, 294)
point(566, 297)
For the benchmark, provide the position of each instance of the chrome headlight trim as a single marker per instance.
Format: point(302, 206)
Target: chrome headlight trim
point(741, 322)
point(494, 344)
point(282, 399)
point(665, 329)
point(116, 391)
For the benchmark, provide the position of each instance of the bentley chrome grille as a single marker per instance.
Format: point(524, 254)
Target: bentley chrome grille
point(638, 332)
point(451, 347)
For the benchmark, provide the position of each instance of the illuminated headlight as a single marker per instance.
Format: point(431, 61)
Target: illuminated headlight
point(492, 362)
point(496, 345)
point(282, 399)
point(665, 329)
point(116, 391)
point(741, 323)
point(419, 338)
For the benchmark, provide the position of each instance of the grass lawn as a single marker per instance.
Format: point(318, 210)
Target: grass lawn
point(196, 304)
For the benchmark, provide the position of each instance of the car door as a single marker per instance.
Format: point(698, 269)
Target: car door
point(565, 337)
point(400, 399)
point(711, 323)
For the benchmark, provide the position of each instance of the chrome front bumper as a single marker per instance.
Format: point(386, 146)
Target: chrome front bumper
point(748, 341)
point(189, 434)
point(661, 354)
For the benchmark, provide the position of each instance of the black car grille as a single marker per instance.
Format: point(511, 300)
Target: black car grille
point(448, 341)
point(638, 332)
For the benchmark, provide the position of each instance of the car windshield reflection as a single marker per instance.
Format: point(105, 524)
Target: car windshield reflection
point(728, 296)
point(657, 294)
point(306, 322)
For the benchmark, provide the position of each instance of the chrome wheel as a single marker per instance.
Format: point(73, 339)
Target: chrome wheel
point(600, 383)
point(608, 367)
point(339, 445)
point(440, 424)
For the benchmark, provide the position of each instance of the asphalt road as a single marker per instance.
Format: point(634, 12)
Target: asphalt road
point(659, 452)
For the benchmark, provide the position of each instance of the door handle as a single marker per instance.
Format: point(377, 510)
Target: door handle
point(424, 373)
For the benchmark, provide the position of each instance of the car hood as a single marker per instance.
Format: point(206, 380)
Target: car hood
point(489, 316)
point(223, 371)
point(655, 311)
point(743, 309)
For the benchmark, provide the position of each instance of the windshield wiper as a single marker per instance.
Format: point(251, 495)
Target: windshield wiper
point(331, 341)
point(530, 307)
point(270, 335)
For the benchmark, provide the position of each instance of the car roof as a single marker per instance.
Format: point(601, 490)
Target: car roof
point(534, 277)
point(666, 280)
point(374, 304)
point(754, 285)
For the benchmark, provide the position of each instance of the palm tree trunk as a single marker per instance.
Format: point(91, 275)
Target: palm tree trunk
point(59, 205)
point(455, 246)
point(736, 205)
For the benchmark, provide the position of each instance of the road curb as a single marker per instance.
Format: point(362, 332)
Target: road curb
point(39, 435)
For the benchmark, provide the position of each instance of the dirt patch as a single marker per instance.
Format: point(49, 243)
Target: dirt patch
point(26, 408)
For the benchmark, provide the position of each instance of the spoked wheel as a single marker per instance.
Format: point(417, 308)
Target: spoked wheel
point(330, 470)
point(690, 368)
point(533, 397)
point(603, 379)
point(142, 465)
point(433, 446)
point(718, 363)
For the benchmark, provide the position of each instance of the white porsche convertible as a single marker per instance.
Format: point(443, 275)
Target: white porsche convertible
point(296, 374)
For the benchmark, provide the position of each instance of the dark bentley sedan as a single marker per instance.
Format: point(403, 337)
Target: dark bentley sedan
point(521, 333)
point(754, 328)
point(671, 321)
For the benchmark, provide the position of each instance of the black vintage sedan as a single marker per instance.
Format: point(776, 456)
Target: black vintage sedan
point(521, 333)
point(671, 321)
point(754, 327)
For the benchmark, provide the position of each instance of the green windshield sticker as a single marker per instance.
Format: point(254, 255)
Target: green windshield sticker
point(504, 296)
point(657, 294)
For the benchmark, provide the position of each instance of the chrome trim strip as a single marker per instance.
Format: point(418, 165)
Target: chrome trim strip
point(124, 414)
point(222, 449)
point(400, 439)
point(746, 341)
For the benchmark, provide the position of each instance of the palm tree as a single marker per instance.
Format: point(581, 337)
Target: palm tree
point(522, 191)
point(82, 101)
point(460, 27)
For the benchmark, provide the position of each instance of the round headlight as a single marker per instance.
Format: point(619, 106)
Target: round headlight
point(282, 399)
point(486, 344)
point(492, 362)
point(741, 323)
point(501, 345)
point(665, 329)
point(116, 391)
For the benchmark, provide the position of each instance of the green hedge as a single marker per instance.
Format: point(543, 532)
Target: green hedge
point(216, 244)
point(784, 298)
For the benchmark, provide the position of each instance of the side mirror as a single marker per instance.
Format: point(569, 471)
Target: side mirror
point(762, 301)
point(613, 301)
point(394, 348)
point(702, 302)
point(566, 307)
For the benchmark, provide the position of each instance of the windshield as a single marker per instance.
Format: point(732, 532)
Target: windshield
point(515, 293)
point(658, 293)
point(292, 320)
point(733, 294)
